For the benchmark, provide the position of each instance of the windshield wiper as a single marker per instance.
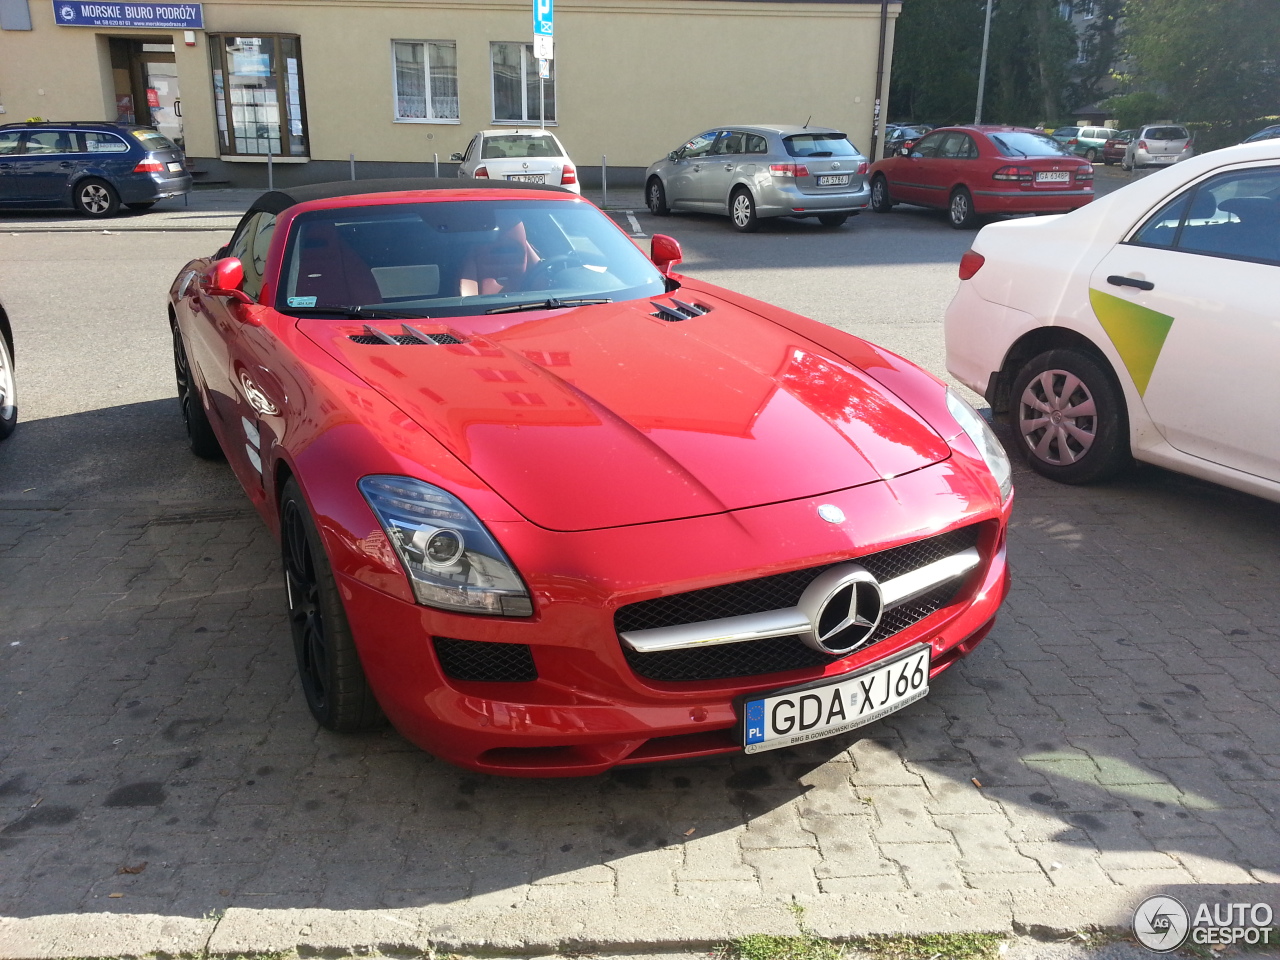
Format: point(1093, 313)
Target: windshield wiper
point(358, 313)
point(552, 304)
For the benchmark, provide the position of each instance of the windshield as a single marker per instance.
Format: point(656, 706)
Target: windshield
point(519, 145)
point(460, 257)
point(1019, 143)
point(819, 145)
point(153, 141)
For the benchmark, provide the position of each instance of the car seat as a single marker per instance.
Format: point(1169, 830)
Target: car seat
point(499, 266)
point(330, 271)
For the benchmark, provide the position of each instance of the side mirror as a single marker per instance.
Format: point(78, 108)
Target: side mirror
point(456, 157)
point(673, 155)
point(665, 252)
point(227, 279)
point(904, 151)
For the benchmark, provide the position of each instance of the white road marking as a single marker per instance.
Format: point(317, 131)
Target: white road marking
point(635, 225)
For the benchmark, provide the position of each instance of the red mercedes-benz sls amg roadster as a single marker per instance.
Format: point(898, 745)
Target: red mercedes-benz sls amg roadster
point(551, 507)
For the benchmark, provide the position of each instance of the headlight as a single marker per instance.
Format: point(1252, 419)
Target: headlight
point(453, 562)
point(984, 439)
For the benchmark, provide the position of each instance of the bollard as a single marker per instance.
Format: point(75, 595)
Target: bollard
point(353, 166)
point(271, 178)
point(604, 181)
point(436, 158)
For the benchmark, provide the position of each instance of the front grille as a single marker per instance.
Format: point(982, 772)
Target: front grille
point(779, 654)
point(490, 662)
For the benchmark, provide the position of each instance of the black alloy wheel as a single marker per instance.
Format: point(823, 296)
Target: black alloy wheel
point(655, 197)
point(204, 442)
point(96, 198)
point(333, 681)
point(1069, 417)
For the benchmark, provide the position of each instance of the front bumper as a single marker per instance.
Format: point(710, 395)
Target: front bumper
point(588, 710)
point(777, 200)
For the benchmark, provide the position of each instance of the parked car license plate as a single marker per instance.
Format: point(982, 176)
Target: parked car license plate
point(1057, 176)
point(174, 166)
point(528, 177)
point(801, 714)
point(833, 180)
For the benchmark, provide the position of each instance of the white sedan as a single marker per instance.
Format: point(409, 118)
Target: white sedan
point(522, 156)
point(1145, 325)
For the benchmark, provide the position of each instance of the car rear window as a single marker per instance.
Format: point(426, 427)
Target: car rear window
point(1166, 133)
point(1021, 143)
point(151, 140)
point(518, 145)
point(819, 145)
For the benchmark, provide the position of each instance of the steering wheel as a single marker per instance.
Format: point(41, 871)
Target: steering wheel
point(539, 278)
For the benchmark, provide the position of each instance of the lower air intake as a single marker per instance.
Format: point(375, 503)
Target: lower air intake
point(485, 662)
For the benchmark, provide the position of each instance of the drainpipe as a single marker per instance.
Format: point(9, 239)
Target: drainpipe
point(875, 119)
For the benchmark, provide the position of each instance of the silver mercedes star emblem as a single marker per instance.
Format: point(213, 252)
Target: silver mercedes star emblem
point(831, 513)
point(844, 606)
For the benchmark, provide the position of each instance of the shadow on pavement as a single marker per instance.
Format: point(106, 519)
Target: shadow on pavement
point(1121, 720)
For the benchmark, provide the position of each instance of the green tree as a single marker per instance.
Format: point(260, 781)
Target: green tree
point(1210, 59)
point(1100, 46)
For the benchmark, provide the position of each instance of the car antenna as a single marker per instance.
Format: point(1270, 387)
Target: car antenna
point(806, 123)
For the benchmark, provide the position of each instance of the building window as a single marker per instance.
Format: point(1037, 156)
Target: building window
point(516, 83)
point(258, 95)
point(426, 77)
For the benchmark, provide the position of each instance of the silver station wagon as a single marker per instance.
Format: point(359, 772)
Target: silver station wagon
point(755, 172)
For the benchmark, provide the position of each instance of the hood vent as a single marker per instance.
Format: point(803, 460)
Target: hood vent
point(678, 310)
point(411, 337)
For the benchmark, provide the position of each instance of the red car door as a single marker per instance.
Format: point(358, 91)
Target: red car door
point(909, 175)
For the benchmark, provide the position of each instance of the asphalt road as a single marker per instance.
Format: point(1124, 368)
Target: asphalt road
point(1121, 719)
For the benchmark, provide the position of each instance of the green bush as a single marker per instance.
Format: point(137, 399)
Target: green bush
point(1224, 133)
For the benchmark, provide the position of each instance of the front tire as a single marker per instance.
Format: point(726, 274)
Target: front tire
point(655, 198)
point(1091, 155)
point(742, 211)
point(833, 219)
point(96, 198)
point(333, 681)
point(881, 201)
point(1070, 418)
point(204, 442)
point(960, 210)
point(8, 390)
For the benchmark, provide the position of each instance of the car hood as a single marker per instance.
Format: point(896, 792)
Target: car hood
point(607, 415)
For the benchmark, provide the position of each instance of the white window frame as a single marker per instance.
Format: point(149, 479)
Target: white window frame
point(426, 63)
point(525, 49)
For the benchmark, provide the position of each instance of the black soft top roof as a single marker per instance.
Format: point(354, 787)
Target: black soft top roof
point(279, 200)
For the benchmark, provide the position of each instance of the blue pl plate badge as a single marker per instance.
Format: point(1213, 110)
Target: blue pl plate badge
point(302, 301)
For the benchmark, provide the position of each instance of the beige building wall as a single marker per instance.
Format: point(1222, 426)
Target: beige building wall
point(635, 80)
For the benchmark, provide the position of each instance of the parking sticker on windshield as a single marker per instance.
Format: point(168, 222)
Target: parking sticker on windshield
point(302, 301)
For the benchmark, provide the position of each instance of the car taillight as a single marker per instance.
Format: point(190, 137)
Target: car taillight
point(971, 263)
point(863, 167)
point(568, 174)
point(481, 173)
point(1142, 144)
point(1084, 173)
point(1189, 144)
point(1014, 173)
point(788, 169)
point(1072, 142)
point(149, 166)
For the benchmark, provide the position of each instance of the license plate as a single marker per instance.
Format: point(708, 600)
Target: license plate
point(834, 180)
point(175, 166)
point(1055, 177)
point(799, 715)
point(528, 177)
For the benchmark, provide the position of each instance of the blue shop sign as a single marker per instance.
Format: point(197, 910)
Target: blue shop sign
point(89, 13)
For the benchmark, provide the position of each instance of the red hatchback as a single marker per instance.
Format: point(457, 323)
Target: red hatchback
point(971, 171)
point(551, 507)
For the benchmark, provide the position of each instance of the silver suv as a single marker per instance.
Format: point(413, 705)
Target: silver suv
point(1158, 144)
point(755, 172)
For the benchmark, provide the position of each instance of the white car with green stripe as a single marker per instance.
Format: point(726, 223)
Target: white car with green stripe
point(1145, 326)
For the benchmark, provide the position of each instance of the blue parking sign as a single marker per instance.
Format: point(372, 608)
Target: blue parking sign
point(543, 18)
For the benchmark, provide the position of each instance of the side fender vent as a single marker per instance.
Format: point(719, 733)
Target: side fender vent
point(410, 337)
point(678, 310)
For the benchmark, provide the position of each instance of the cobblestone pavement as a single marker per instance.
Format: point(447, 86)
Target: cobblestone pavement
point(1120, 722)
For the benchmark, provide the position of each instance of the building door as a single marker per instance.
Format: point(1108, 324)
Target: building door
point(146, 84)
